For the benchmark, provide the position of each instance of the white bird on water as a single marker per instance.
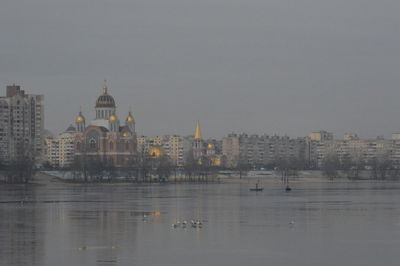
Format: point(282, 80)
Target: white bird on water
point(177, 224)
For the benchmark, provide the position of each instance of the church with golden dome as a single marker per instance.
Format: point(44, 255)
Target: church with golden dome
point(105, 138)
point(202, 149)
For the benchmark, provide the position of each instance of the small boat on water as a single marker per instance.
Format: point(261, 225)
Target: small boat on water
point(257, 188)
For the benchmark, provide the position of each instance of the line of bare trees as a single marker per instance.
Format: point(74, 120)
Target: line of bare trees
point(18, 171)
point(92, 169)
point(148, 168)
point(145, 168)
point(200, 169)
point(288, 167)
point(379, 168)
point(142, 168)
point(22, 168)
point(351, 167)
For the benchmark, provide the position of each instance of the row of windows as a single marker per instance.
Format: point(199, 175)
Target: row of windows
point(93, 145)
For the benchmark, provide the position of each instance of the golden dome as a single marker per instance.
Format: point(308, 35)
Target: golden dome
point(80, 118)
point(216, 161)
point(210, 146)
point(105, 100)
point(113, 118)
point(126, 134)
point(130, 118)
point(156, 151)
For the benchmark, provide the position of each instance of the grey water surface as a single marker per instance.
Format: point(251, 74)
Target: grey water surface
point(129, 224)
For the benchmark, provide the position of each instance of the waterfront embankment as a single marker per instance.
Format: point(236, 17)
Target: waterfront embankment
point(48, 177)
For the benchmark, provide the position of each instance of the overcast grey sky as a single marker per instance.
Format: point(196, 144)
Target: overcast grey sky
point(260, 66)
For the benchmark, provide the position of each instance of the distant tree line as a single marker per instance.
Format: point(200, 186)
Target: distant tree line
point(332, 167)
point(144, 168)
point(22, 168)
point(18, 171)
point(148, 168)
point(379, 168)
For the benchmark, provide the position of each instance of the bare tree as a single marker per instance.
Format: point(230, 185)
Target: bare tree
point(346, 164)
point(374, 165)
point(110, 171)
point(242, 166)
point(385, 167)
point(2, 164)
point(163, 167)
point(79, 169)
point(394, 172)
point(330, 166)
point(143, 164)
point(95, 169)
point(204, 168)
point(288, 167)
point(190, 165)
point(281, 165)
point(357, 166)
point(20, 170)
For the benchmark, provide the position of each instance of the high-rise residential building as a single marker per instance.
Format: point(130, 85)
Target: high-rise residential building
point(60, 149)
point(350, 136)
point(396, 136)
point(177, 148)
point(350, 147)
point(261, 150)
point(320, 135)
point(144, 144)
point(21, 125)
point(315, 145)
point(230, 149)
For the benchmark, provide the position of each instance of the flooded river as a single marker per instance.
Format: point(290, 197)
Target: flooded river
point(130, 224)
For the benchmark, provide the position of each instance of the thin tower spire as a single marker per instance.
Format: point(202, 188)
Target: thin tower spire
point(105, 88)
point(197, 135)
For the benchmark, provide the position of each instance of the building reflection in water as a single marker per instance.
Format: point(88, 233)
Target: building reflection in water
point(22, 226)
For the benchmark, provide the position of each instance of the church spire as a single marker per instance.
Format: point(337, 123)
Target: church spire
point(105, 88)
point(197, 135)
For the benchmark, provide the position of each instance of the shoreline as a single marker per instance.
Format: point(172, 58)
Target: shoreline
point(46, 179)
point(43, 178)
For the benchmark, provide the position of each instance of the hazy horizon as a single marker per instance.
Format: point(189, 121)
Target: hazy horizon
point(274, 67)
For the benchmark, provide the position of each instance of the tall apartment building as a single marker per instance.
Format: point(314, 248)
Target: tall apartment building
point(315, 146)
point(144, 144)
point(320, 135)
point(351, 147)
point(21, 125)
point(177, 148)
point(230, 149)
point(60, 149)
point(262, 150)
